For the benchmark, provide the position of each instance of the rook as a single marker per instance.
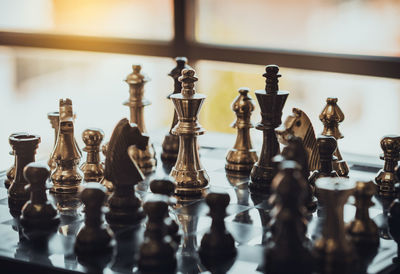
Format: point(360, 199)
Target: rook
point(92, 169)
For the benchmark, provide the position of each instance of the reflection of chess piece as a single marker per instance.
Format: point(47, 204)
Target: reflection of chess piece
point(394, 222)
point(191, 178)
point(146, 159)
point(66, 177)
point(170, 144)
point(242, 195)
point(11, 171)
point(242, 156)
point(24, 147)
point(331, 116)
point(271, 101)
point(92, 169)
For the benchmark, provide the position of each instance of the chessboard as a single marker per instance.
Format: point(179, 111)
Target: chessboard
point(247, 220)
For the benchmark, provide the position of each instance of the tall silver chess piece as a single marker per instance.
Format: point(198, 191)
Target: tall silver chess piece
point(191, 179)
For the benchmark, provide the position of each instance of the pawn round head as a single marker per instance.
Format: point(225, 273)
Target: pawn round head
point(164, 186)
point(36, 173)
point(217, 200)
point(326, 145)
point(92, 136)
point(390, 144)
point(93, 195)
point(365, 188)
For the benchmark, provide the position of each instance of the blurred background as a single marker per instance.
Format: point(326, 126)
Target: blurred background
point(35, 75)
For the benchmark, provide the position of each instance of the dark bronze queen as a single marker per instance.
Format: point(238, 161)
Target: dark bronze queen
point(191, 179)
point(271, 101)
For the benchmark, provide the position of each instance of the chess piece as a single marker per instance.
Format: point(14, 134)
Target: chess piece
point(11, 171)
point(386, 177)
point(394, 223)
point(104, 181)
point(94, 237)
point(38, 213)
point(146, 159)
point(66, 177)
point(124, 173)
point(331, 116)
point(332, 251)
point(191, 179)
point(217, 248)
point(326, 147)
point(157, 254)
point(54, 118)
point(166, 187)
point(271, 101)
point(363, 231)
point(24, 147)
point(93, 170)
point(242, 156)
point(170, 145)
point(288, 248)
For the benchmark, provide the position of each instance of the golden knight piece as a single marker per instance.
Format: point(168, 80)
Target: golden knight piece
point(93, 169)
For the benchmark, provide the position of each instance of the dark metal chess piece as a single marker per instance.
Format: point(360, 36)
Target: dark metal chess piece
point(217, 249)
point(11, 171)
point(166, 187)
point(331, 116)
point(363, 231)
point(326, 147)
point(271, 101)
point(288, 249)
point(157, 254)
point(332, 251)
point(38, 214)
point(124, 173)
point(24, 147)
point(145, 159)
point(93, 170)
point(95, 239)
point(394, 222)
point(170, 145)
point(66, 178)
point(386, 177)
point(191, 179)
point(242, 156)
point(54, 118)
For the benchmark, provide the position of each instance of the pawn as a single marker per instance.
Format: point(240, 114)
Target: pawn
point(386, 177)
point(95, 238)
point(394, 223)
point(217, 245)
point(38, 213)
point(166, 187)
point(157, 254)
point(92, 169)
point(326, 147)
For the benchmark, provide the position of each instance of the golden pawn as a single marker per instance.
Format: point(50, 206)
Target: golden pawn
point(93, 169)
point(331, 116)
point(191, 179)
point(66, 154)
point(146, 159)
point(108, 184)
point(242, 156)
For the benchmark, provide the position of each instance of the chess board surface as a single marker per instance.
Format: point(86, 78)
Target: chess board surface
point(247, 220)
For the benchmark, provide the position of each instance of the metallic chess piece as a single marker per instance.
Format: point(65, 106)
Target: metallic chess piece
point(386, 177)
point(66, 177)
point(93, 169)
point(271, 101)
point(242, 156)
point(145, 159)
point(170, 145)
point(24, 147)
point(54, 118)
point(11, 171)
point(331, 116)
point(108, 184)
point(191, 178)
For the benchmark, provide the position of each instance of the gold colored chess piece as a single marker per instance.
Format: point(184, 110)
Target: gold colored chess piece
point(331, 116)
point(66, 177)
point(242, 156)
point(145, 159)
point(108, 184)
point(170, 145)
point(54, 118)
point(93, 169)
point(191, 179)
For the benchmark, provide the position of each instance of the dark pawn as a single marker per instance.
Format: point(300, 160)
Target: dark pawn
point(157, 254)
point(38, 214)
point(95, 238)
point(217, 249)
point(166, 187)
point(288, 249)
point(326, 147)
point(394, 222)
point(24, 147)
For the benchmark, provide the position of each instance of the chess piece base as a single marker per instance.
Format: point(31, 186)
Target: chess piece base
point(240, 160)
point(190, 183)
point(66, 180)
point(261, 178)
